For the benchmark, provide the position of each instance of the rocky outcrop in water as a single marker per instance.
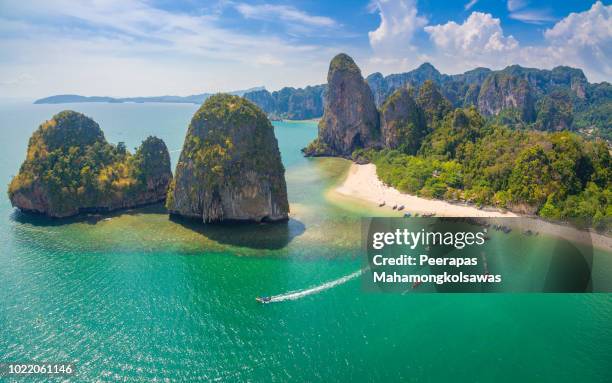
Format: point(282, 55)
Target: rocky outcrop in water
point(230, 167)
point(350, 120)
point(70, 168)
point(402, 122)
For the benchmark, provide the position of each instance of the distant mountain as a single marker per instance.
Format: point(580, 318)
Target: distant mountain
point(290, 103)
point(457, 87)
point(193, 99)
point(557, 99)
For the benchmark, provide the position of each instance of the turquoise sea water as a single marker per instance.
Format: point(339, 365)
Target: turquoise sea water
point(140, 297)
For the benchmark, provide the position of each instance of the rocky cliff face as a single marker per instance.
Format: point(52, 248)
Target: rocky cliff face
point(71, 169)
point(383, 87)
point(152, 161)
point(264, 100)
point(230, 166)
point(572, 78)
point(290, 103)
point(502, 91)
point(379, 86)
point(350, 120)
point(402, 122)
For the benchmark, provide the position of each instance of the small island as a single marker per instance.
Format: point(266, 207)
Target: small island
point(230, 166)
point(70, 169)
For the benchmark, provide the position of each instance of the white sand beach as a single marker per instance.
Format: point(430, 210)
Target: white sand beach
point(363, 183)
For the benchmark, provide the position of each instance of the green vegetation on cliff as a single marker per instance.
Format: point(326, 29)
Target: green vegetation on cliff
point(316, 148)
point(403, 123)
point(214, 153)
point(345, 63)
point(71, 167)
point(593, 115)
point(434, 105)
point(230, 165)
point(456, 133)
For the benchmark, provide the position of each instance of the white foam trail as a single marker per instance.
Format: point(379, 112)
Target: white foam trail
point(293, 295)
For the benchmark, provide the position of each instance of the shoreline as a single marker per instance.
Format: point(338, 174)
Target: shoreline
point(362, 183)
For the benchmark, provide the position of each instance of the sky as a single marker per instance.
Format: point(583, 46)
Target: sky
point(155, 47)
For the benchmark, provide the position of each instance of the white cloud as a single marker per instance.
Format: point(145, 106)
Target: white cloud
point(592, 27)
point(470, 5)
point(270, 12)
point(479, 40)
point(520, 11)
point(399, 21)
point(514, 5)
point(532, 16)
point(584, 40)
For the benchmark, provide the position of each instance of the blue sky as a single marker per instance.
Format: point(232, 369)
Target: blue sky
point(148, 47)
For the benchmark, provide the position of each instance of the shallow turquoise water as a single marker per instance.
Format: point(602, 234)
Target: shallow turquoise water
point(140, 296)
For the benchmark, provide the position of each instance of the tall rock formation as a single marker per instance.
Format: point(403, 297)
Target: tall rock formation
point(402, 122)
point(70, 168)
point(230, 167)
point(350, 120)
point(152, 161)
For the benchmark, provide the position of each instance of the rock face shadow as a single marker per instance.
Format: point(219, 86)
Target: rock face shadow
point(265, 235)
point(92, 218)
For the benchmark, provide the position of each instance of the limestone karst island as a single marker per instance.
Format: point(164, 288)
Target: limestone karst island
point(230, 167)
point(70, 168)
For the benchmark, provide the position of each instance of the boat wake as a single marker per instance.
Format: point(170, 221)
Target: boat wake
point(294, 295)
